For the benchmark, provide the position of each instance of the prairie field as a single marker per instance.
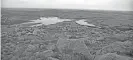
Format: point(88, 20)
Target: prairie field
point(64, 34)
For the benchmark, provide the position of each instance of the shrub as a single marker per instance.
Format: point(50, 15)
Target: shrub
point(112, 56)
point(121, 48)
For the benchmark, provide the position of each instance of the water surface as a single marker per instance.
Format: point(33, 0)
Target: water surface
point(45, 21)
point(83, 22)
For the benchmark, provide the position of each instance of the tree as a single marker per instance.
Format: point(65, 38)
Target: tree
point(5, 20)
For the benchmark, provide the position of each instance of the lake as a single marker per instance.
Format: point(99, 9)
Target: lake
point(53, 20)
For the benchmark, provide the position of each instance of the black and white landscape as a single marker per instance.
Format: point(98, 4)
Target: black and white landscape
point(66, 34)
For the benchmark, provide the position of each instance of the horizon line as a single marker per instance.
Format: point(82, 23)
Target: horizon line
point(71, 9)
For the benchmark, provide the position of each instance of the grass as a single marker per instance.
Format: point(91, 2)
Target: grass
point(29, 43)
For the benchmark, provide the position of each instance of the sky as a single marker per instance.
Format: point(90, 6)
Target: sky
point(122, 5)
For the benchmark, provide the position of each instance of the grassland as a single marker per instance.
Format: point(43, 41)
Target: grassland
point(67, 40)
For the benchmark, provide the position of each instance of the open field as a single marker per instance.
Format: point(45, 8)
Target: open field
point(67, 40)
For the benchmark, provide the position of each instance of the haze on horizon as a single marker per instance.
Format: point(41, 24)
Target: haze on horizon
point(120, 5)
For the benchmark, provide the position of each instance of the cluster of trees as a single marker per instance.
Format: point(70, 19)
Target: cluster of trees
point(5, 20)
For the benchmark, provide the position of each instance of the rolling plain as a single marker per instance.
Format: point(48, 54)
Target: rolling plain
point(66, 40)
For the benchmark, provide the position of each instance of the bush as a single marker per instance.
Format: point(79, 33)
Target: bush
point(111, 56)
point(121, 48)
